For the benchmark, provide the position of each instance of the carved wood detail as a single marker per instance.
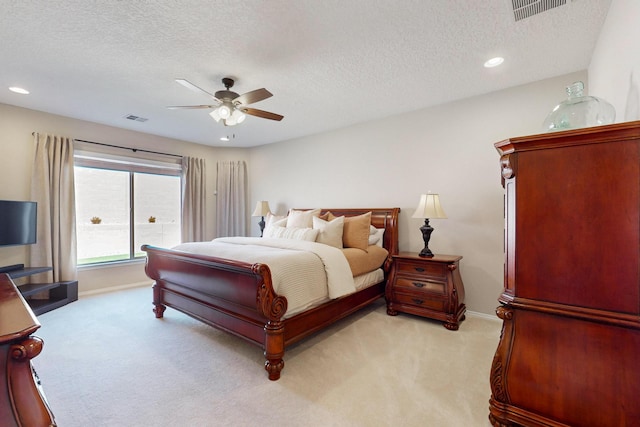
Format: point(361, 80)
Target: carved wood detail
point(505, 167)
point(21, 400)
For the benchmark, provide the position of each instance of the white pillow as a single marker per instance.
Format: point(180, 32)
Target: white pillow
point(272, 219)
point(278, 232)
point(302, 219)
point(329, 232)
point(377, 237)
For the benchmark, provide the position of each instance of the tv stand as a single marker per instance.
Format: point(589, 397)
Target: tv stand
point(8, 268)
point(60, 293)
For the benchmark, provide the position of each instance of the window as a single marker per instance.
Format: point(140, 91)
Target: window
point(123, 203)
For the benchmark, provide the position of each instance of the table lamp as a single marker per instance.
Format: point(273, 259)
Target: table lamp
point(261, 210)
point(428, 208)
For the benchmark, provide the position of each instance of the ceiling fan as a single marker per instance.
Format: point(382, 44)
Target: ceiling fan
point(230, 107)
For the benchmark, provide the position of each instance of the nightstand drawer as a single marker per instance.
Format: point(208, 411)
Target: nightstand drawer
point(421, 268)
point(421, 301)
point(421, 285)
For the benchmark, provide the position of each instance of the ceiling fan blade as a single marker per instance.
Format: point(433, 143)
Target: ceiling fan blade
point(190, 107)
point(253, 96)
point(191, 86)
point(262, 114)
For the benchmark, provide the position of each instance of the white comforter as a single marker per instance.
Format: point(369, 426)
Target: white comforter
point(303, 272)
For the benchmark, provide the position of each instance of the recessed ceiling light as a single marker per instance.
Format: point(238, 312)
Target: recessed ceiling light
point(494, 62)
point(224, 138)
point(19, 90)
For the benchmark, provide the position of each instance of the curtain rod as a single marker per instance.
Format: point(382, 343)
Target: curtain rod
point(128, 148)
point(123, 148)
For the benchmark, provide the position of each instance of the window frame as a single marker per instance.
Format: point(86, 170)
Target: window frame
point(141, 163)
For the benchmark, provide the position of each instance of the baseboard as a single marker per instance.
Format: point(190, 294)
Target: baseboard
point(114, 288)
point(484, 315)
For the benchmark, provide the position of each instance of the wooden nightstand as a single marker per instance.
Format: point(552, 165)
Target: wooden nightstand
point(429, 287)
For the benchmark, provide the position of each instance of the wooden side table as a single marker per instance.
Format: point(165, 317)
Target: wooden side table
point(428, 287)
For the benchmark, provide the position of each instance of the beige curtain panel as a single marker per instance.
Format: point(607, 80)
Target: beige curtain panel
point(52, 187)
point(231, 206)
point(193, 199)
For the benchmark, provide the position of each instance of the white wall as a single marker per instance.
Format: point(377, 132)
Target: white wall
point(614, 72)
point(16, 158)
point(446, 149)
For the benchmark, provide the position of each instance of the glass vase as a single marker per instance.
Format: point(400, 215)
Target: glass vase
point(579, 111)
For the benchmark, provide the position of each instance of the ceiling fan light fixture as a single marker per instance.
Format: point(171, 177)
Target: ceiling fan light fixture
point(239, 116)
point(215, 115)
point(230, 107)
point(224, 111)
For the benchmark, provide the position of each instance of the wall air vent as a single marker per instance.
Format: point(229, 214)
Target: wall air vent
point(525, 8)
point(135, 118)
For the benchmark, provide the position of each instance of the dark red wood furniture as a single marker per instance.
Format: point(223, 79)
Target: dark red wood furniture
point(22, 402)
point(239, 298)
point(427, 286)
point(570, 346)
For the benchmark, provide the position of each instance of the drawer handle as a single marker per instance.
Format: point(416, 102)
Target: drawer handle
point(417, 284)
point(420, 269)
point(418, 301)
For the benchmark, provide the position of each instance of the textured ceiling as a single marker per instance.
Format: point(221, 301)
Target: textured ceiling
point(329, 63)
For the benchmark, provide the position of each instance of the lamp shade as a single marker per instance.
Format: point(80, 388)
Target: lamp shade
point(429, 207)
point(262, 209)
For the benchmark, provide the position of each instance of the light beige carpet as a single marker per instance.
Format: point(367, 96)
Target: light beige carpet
point(107, 361)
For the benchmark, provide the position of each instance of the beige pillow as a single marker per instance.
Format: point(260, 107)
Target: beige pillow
point(362, 262)
point(301, 219)
point(329, 232)
point(356, 231)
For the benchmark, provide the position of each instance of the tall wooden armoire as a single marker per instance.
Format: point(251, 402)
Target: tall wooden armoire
point(569, 353)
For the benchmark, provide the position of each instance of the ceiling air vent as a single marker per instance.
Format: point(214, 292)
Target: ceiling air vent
point(135, 118)
point(525, 8)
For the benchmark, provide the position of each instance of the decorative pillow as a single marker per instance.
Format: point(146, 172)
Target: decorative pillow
point(377, 237)
point(329, 232)
point(363, 262)
point(356, 231)
point(301, 219)
point(272, 219)
point(278, 232)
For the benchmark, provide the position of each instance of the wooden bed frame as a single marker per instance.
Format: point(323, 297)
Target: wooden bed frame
point(238, 297)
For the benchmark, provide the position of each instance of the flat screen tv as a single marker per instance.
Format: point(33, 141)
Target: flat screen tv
point(17, 222)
